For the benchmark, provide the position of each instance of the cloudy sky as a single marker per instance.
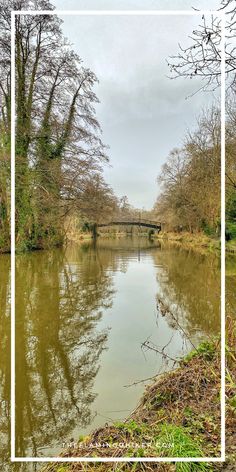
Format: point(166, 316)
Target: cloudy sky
point(143, 114)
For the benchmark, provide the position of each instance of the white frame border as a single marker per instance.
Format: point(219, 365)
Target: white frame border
point(220, 15)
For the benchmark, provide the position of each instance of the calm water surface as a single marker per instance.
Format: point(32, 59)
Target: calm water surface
point(82, 314)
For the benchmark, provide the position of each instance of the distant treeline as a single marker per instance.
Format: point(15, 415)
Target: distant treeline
point(190, 180)
point(190, 197)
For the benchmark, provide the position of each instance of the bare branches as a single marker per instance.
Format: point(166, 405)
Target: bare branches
point(203, 57)
point(149, 345)
point(166, 310)
point(190, 179)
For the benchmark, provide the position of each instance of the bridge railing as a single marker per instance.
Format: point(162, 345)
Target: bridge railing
point(131, 220)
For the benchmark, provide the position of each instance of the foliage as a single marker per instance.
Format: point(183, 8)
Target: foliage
point(207, 229)
point(230, 230)
point(131, 426)
point(207, 350)
point(230, 212)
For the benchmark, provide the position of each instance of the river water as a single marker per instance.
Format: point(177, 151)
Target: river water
point(82, 316)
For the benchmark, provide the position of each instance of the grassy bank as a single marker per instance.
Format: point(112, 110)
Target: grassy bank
point(192, 240)
point(178, 416)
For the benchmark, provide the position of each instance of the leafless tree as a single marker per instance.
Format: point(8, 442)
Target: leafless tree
point(203, 57)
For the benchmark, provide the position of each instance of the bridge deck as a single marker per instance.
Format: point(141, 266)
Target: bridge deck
point(143, 223)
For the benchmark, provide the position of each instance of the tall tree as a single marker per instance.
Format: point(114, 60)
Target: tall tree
point(202, 59)
point(58, 142)
point(190, 179)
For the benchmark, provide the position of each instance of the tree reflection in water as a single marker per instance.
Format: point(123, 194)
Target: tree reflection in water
point(61, 297)
point(5, 367)
point(189, 286)
point(59, 302)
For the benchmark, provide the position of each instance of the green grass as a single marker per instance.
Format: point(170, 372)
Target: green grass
point(178, 443)
point(206, 350)
point(131, 426)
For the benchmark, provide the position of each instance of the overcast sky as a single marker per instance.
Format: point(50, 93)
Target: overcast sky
point(143, 114)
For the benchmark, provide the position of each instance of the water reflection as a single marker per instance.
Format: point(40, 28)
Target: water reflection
point(230, 286)
point(59, 303)
point(81, 315)
point(189, 283)
point(5, 372)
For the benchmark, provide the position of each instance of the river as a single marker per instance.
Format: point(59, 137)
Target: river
point(82, 316)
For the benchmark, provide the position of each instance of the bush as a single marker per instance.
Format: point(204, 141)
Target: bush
point(86, 227)
point(207, 229)
point(230, 232)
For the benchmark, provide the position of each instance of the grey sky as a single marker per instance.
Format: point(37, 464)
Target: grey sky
point(142, 113)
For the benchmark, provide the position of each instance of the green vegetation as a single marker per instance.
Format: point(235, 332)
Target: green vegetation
point(175, 418)
point(231, 181)
point(206, 350)
point(169, 440)
point(180, 444)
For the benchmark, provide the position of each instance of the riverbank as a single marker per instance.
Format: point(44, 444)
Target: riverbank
point(184, 238)
point(191, 240)
point(197, 241)
point(178, 416)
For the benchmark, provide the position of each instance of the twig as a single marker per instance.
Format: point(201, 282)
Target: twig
point(143, 380)
point(177, 322)
point(148, 345)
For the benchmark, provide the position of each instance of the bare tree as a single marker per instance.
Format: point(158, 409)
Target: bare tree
point(203, 57)
point(190, 179)
point(58, 137)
